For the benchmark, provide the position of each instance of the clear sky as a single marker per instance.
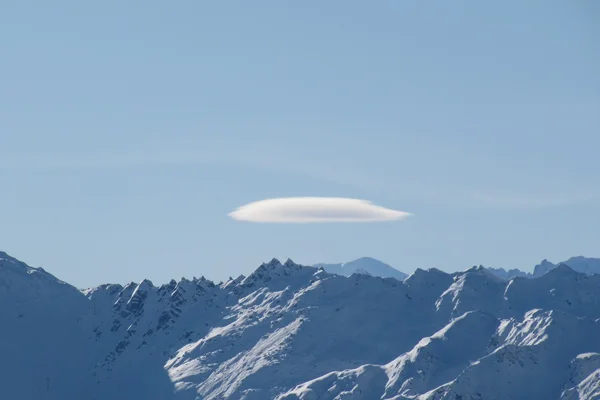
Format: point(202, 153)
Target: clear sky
point(129, 130)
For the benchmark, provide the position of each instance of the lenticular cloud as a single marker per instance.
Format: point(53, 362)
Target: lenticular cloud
point(315, 209)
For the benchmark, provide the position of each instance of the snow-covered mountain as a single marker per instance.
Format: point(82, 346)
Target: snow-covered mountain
point(288, 331)
point(43, 347)
point(363, 265)
point(589, 266)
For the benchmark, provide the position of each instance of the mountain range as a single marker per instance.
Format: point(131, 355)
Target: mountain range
point(589, 266)
point(288, 331)
point(371, 266)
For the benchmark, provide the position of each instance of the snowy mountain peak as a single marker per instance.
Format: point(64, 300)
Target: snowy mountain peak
point(146, 284)
point(477, 271)
point(365, 264)
point(473, 289)
point(289, 263)
point(274, 274)
point(233, 282)
point(20, 281)
point(364, 260)
point(11, 265)
point(429, 277)
point(272, 264)
point(200, 280)
point(276, 265)
point(507, 275)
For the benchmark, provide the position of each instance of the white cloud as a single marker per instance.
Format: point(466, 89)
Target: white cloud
point(315, 209)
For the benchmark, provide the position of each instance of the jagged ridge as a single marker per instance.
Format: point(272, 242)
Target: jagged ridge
point(284, 330)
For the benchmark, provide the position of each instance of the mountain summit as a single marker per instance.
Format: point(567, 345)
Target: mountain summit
point(363, 265)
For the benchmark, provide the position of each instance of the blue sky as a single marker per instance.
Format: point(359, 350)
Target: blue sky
point(129, 131)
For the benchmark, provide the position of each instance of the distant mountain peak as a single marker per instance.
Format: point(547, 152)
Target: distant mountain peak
point(273, 263)
point(478, 270)
point(562, 270)
point(365, 260)
point(147, 283)
point(289, 263)
point(585, 265)
point(368, 265)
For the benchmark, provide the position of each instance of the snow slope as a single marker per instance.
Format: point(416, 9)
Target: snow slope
point(432, 362)
point(584, 382)
point(364, 265)
point(288, 331)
